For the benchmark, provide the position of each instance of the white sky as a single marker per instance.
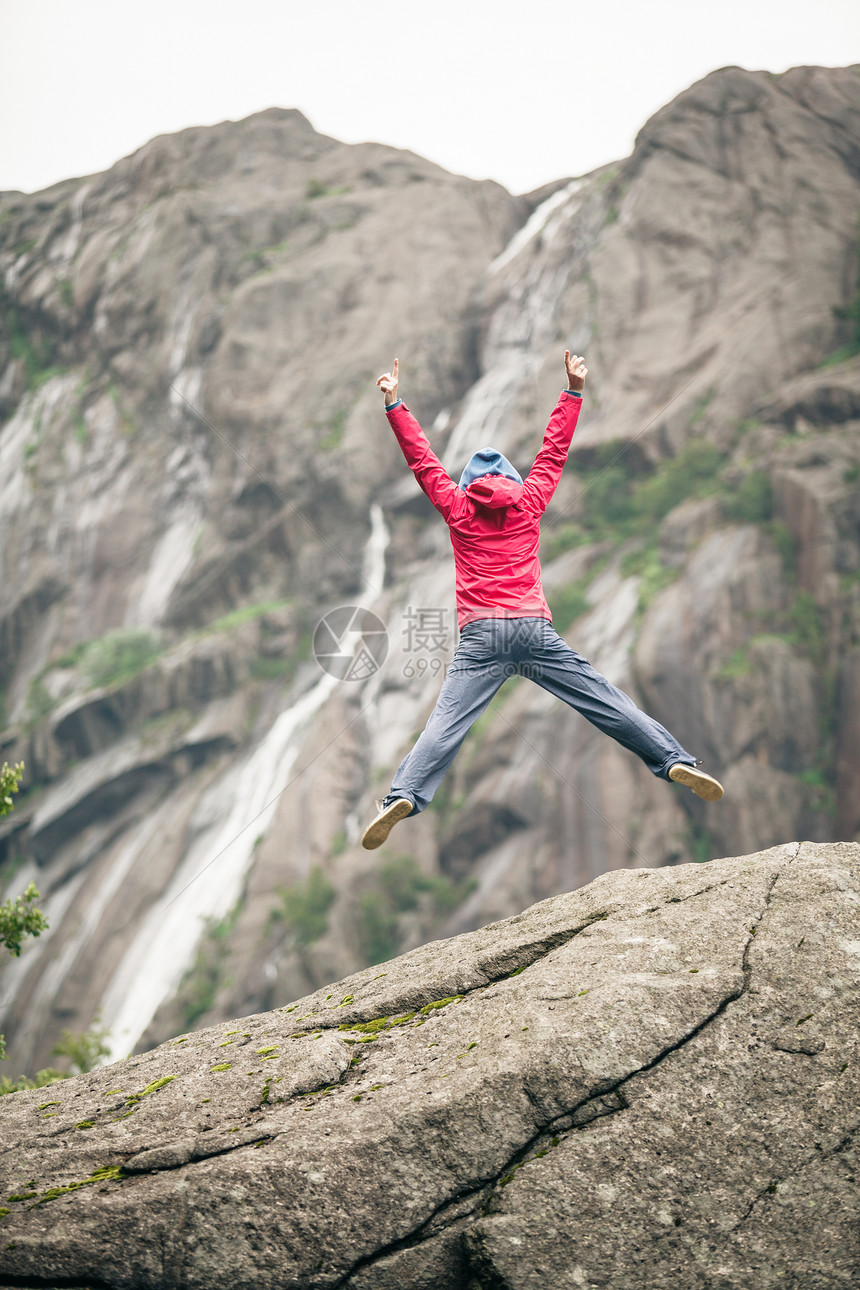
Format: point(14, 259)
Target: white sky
point(522, 92)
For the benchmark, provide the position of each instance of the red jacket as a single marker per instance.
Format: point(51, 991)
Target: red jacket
point(495, 522)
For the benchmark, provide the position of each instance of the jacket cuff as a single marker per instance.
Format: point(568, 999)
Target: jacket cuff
point(389, 407)
point(576, 394)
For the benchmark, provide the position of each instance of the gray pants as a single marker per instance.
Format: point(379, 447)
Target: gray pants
point(491, 650)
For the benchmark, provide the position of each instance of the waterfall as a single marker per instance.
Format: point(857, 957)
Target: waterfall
point(536, 222)
point(210, 878)
point(522, 326)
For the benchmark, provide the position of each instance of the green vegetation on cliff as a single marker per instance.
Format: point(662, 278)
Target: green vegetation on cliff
point(304, 907)
point(401, 887)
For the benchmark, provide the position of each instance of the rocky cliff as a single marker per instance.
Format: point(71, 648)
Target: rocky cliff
point(652, 1081)
point(194, 468)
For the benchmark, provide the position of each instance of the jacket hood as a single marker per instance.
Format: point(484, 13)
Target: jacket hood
point(491, 480)
point(488, 462)
point(495, 491)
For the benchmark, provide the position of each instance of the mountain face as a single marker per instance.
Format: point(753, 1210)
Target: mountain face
point(195, 468)
point(648, 1082)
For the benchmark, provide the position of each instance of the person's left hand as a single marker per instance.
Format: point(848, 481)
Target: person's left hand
point(576, 371)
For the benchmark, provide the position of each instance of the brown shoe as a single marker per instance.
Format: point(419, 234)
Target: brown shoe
point(700, 783)
point(378, 830)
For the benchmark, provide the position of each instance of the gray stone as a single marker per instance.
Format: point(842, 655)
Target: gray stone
point(589, 1093)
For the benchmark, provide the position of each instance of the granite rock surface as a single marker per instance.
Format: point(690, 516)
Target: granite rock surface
point(648, 1082)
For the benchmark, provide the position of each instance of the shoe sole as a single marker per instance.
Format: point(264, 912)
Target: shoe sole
point(704, 786)
point(378, 830)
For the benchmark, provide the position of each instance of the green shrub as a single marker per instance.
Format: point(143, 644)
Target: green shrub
point(10, 778)
point(118, 656)
point(567, 604)
point(271, 669)
point(245, 614)
point(609, 500)
point(557, 540)
point(783, 539)
point(316, 188)
point(334, 433)
point(676, 479)
point(32, 345)
point(200, 984)
point(702, 845)
point(702, 404)
point(806, 627)
point(304, 907)
point(652, 573)
point(39, 701)
point(85, 1049)
point(39, 1080)
point(751, 502)
point(850, 315)
point(571, 601)
point(823, 794)
point(735, 666)
point(617, 504)
point(376, 925)
point(20, 918)
point(402, 886)
point(403, 883)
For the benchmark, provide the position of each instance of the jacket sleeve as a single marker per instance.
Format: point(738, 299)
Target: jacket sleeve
point(544, 475)
point(422, 460)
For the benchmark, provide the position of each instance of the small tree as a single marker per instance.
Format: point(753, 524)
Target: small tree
point(9, 779)
point(18, 917)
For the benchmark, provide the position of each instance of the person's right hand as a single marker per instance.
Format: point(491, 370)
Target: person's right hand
point(388, 384)
point(576, 371)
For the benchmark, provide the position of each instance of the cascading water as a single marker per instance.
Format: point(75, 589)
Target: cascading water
point(521, 325)
point(209, 881)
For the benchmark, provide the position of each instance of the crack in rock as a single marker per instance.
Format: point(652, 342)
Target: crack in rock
point(600, 1102)
point(492, 969)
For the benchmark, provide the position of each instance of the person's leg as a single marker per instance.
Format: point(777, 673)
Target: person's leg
point(476, 672)
point(551, 663)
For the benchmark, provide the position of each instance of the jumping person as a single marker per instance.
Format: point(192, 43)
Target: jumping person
point(505, 623)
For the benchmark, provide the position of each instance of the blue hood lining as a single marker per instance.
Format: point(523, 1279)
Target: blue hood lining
point(488, 462)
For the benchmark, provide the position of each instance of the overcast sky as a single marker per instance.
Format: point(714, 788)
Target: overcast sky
point(522, 92)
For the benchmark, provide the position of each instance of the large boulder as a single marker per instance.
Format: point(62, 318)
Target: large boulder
point(652, 1081)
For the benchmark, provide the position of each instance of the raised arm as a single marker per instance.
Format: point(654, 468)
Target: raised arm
point(544, 475)
point(420, 457)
